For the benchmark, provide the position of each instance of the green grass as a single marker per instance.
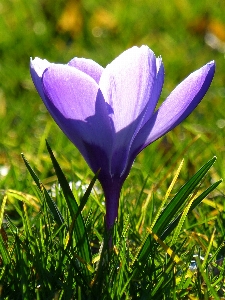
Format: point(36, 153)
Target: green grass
point(42, 256)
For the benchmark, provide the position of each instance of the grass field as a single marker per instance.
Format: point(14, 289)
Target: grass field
point(187, 34)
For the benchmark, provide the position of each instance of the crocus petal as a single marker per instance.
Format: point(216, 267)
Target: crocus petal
point(156, 91)
point(87, 66)
point(127, 84)
point(77, 105)
point(152, 102)
point(37, 68)
point(179, 104)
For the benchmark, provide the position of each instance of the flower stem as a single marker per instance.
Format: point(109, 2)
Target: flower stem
point(112, 191)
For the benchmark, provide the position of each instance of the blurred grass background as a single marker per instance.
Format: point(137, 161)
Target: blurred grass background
point(187, 34)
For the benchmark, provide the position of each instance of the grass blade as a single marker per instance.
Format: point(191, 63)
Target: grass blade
point(75, 212)
point(206, 280)
point(177, 204)
point(4, 252)
point(173, 208)
point(195, 203)
point(51, 204)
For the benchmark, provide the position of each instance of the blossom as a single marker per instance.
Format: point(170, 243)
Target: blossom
point(109, 113)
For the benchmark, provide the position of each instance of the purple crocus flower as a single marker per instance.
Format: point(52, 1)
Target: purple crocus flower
point(109, 113)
